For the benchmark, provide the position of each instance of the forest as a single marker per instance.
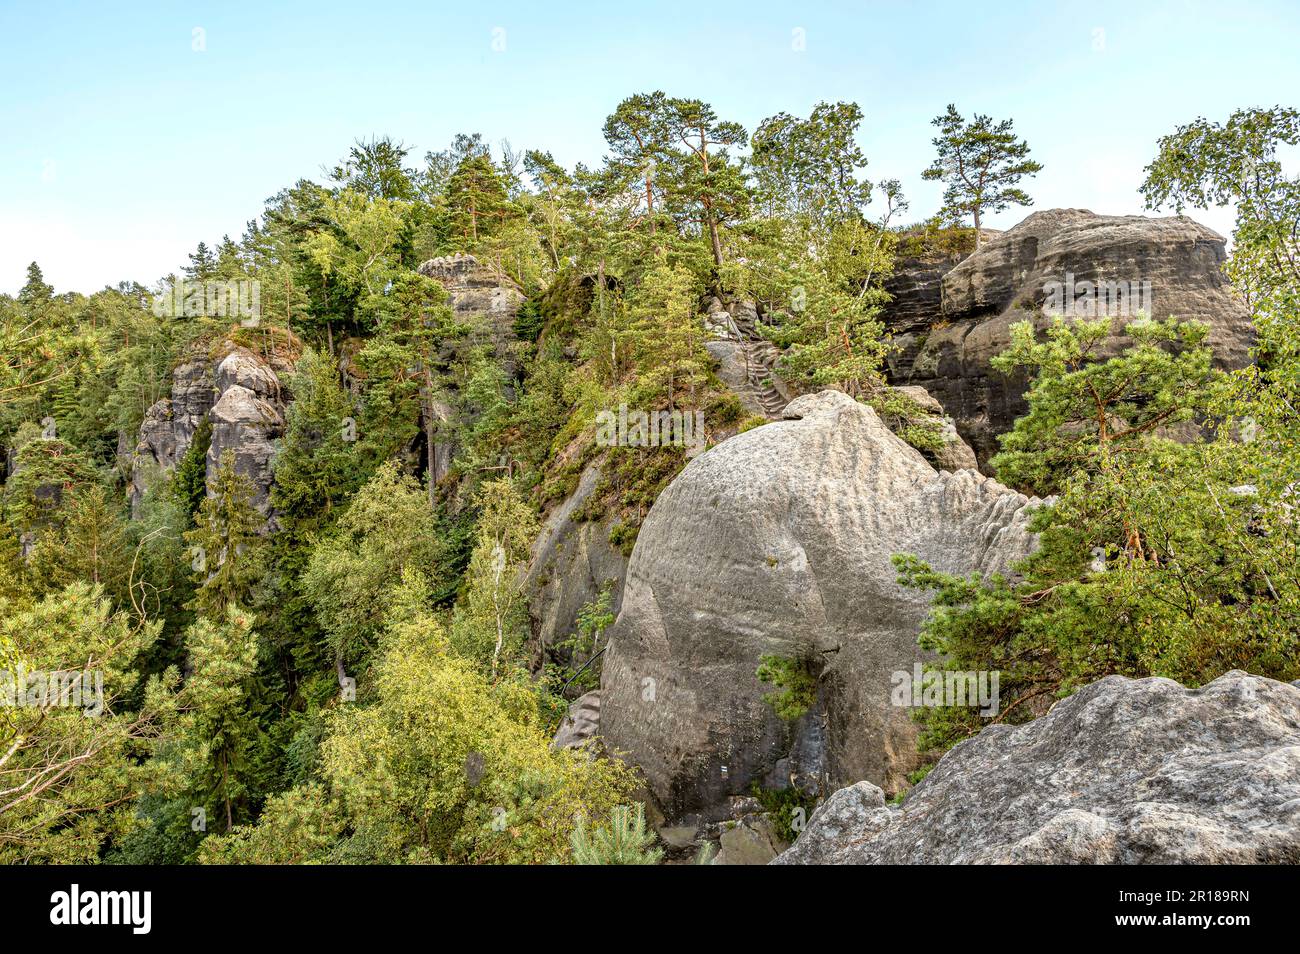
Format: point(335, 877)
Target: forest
point(323, 648)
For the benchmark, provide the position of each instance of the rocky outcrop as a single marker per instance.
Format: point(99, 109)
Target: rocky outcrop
point(487, 304)
point(242, 394)
point(750, 841)
point(474, 290)
point(1010, 279)
point(955, 454)
point(169, 425)
point(572, 560)
point(746, 362)
point(778, 542)
point(580, 724)
point(247, 420)
point(1123, 772)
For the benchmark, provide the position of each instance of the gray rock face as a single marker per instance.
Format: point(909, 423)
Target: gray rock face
point(746, 363)
point(581, 722)
point(1006, 282)
point(247, 420)
point(748, 842)
point(1123, 772)
point(474, 289)
point(571, 560)
point(487, 302)
point(778, 541)
point(169, 425)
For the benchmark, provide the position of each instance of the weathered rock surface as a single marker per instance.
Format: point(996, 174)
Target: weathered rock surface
point(1123, 772)
point(746, 363)
point(778, 541)
point(1006, 282)
point(242, 395)
point(748, 842)
point(486, 302)
point(248, 420)
point(572, 559)
point(581, 723)
point(169, 425)
point(474, 290)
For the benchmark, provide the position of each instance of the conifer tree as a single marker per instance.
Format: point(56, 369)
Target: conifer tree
point(980, 162)
point(223, 543)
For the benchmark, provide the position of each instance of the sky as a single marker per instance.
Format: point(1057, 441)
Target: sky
point(130, 132)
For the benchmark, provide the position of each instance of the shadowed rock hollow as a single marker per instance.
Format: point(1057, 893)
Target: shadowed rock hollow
point(779, 541)
point(1123, 772)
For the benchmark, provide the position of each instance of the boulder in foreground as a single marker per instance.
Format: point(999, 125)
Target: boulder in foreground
point(1124, 772)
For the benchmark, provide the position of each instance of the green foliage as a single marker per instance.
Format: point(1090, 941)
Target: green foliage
point(594, 617)
point(443, 765)
point(218, 730)
point(623, 841)
point(317, 467)
point(980, 163)
point(89, 544)
point(491, 622)
point(300, 826)
point(788, 808)
point(189, 478)
point(1157, 558)
point(70, 771)
point(1205, 164)
point(809, 170)
point(223, 545)
point(908, 419)
point(795, 683)
point(1084, 410)
point(413, 587)
point(47, 474)
point(387, 528)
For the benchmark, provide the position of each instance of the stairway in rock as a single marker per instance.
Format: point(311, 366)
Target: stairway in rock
point(761, 356)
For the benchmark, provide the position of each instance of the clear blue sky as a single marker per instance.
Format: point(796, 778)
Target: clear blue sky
point(124, 146)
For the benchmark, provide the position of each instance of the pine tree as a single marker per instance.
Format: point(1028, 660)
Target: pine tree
point(35, 291)
point(90, 545)
point(223, 543)
point(980, 162)
point(220, 729)
point(624, 841)
point(203, 264)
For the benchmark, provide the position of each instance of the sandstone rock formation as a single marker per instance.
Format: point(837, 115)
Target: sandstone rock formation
point(746, 362)
point(247, 420)
point(778, 541)
point(243, 396)
point(947, 351)
point(572, 559)
point(580, 723)
point(487, 302)
point(169, 425)
point(474, 290)
point(1123, 772)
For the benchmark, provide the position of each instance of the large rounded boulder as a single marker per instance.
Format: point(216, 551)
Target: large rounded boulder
point(778, 542)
